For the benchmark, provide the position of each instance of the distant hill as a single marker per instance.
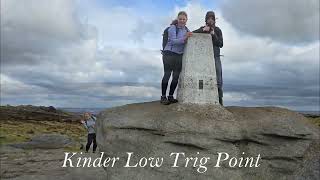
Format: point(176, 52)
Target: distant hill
point(36, 113)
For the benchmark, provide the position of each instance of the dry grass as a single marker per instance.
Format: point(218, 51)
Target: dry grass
point(19, 131)
point(315, 121)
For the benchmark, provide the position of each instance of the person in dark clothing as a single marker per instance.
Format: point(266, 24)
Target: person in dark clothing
point(89, 123)
point(217, 41)
point(172, 56)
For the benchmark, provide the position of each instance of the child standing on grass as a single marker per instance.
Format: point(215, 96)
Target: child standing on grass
point(89, 123)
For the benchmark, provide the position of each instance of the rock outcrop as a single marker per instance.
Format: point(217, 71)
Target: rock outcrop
point(287, 143)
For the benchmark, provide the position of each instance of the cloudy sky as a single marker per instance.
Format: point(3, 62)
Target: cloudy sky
point(103, 53)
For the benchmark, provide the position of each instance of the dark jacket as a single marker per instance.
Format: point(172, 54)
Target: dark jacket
point(217, 39)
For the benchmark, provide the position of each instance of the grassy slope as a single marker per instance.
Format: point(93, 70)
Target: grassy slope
point(315, 121)
point(21, 131)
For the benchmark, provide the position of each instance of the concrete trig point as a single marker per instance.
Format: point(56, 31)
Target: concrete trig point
point(198, 83)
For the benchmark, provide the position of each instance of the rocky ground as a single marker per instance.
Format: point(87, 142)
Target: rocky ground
point(42, 164)
point(286, 141)
point(34, 140)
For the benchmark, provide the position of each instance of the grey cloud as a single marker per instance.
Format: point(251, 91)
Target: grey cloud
point(52, 82)
point(288, 21)
point(34, 31)
point(89, 94)
point(273, 74)
point(136, 64)
point(297, 98)
point(69, 71)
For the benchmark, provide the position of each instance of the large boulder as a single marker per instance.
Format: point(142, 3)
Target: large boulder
point(287, 144)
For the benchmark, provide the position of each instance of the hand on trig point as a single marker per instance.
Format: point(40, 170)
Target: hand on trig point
point(206, 28)
point(189, 34)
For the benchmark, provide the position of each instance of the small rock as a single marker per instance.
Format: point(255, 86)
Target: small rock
point(45, 141)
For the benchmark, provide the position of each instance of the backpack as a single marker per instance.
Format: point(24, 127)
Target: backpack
point(165, 36)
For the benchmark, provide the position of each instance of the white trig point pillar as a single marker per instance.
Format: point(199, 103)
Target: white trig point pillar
point(198, 83)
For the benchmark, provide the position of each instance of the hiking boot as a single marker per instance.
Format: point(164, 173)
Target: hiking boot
point(164, 100)
point(172, 100)
point(220, 101)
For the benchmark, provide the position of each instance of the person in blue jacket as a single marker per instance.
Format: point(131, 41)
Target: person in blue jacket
point(172, 56)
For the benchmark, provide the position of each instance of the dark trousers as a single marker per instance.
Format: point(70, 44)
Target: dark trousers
point(219, 77)
point(171, 64)
point(91, 138)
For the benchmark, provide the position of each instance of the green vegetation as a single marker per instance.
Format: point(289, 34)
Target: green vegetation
point(21, 131)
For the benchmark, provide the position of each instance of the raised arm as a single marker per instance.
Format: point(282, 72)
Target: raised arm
point(84, 124)
point(93, 117)
point(200, 30)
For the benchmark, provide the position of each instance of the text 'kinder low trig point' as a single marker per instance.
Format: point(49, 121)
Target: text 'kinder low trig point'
point(198, 83)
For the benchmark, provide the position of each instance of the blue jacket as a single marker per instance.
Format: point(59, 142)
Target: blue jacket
point(176, 41)
point(89, 124)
